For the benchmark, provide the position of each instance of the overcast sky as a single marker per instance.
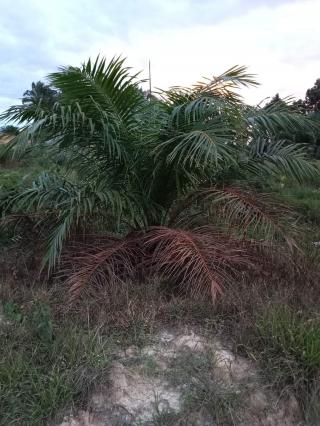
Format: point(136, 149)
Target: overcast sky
point(185, 39)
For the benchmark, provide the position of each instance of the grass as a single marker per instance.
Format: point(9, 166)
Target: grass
point(40, 325)
point(21, 173)
point(164, 418)
point(44, 369)
point(288, 344)
point(291, 337)
point(275, 322)
point(202, 392)
point(305, 199)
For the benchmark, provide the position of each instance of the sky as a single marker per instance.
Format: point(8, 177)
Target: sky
point(185, 40)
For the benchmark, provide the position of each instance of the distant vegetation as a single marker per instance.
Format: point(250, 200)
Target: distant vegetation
point(9, 130)
point(309, 106)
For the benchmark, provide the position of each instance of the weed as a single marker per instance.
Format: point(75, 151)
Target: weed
point(201, 390)
point(292, 337)
point(164, 417)
point(42, 322)
point(13, 311)
point(288, 348)
point(305, 199)
point(39, 374)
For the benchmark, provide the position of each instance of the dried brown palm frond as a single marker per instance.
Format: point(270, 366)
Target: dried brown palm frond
point(106, 261)
point(199, 261)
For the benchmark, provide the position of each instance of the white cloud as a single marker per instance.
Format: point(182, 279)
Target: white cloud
point(279, 44)
point(185, 40)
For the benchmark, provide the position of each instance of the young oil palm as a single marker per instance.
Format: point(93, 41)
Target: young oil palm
point(159, 185)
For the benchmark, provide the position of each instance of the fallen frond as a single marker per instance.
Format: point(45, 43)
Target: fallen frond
point(199, 261)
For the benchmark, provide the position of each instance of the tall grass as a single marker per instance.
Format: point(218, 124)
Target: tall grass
point(288, 348)
point(42, 370)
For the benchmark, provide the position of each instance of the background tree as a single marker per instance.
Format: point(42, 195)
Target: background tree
point(312, 99)
point(9, 130)
point(311, 106)
point(40, 93)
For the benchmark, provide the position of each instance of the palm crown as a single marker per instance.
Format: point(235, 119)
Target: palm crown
point(155, 184)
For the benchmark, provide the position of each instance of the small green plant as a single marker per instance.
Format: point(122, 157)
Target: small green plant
point(41, 321)
point(164, 418)
point(12, 311)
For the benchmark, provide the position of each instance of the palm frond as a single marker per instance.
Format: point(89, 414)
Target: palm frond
point(225, 84)
point(95, 266)
point(64, 206)
point(278, 117)
point(108, 87)
point(198, 148)
point(280, 158)
point(199, 261)
point(219, 89)
point(16, 147)
point(22, 114)
point(204, 109)
point(249, 214)
point(57, 238)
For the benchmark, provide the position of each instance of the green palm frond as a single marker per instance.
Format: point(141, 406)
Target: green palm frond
point(17, 147)
point(70, 127)
point(208, 96)
point(100, 86)
point(23, 114)
point(280, 158)
point(278, 117)
point(225, 84)
point(57, 238)
point(204, 109)
point(201, 148)
point(65, 205)
point(249, 213)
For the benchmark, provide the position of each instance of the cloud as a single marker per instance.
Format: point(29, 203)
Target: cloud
point(185, 39)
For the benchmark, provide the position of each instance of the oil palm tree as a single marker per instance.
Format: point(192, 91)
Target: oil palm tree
point(40, 92)
point(157, 186)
